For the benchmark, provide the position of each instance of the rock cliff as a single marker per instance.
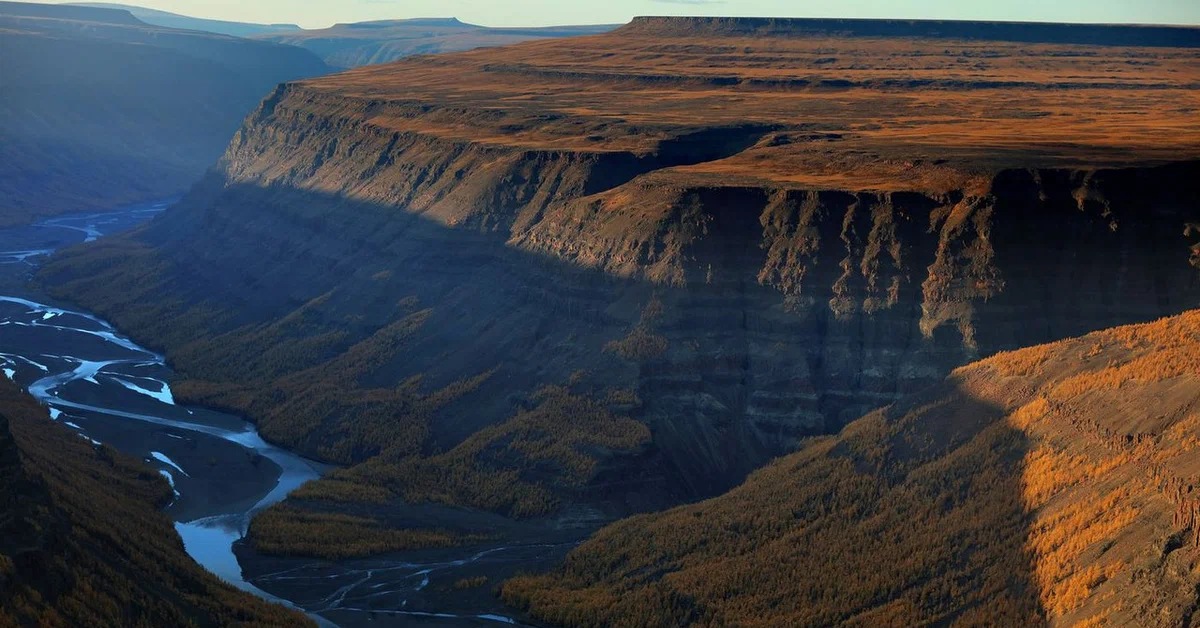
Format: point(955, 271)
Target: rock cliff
point(739, 241)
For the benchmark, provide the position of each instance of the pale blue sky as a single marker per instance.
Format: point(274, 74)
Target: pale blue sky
point(321, 13)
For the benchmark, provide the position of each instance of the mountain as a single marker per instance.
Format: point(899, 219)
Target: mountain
point(1047, 486)
point(365, 43)
point(574, 279)
point(98, 108)
point(82, 542)
point(174, 20)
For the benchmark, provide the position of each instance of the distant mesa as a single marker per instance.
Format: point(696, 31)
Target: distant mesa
point(443, 22)
point(1024, 32)
point(174, 20)
point(383, 41)
point(108, 14)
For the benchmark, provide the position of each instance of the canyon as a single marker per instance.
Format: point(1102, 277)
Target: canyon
point(705, 320)
point(571, 280)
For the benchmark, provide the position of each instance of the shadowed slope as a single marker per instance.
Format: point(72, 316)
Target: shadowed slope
point(1047, 484)
point(99, 109)
point(82, 542)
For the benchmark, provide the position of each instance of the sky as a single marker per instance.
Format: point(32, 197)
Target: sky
point(322, 13)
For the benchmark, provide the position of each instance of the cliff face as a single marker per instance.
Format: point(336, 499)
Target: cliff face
point(1046, 486)
point(645, 220)
point(98, 108)
point(82, 541)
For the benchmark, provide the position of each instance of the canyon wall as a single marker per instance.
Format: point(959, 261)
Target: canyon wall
point(776, 313)
point(389, 262)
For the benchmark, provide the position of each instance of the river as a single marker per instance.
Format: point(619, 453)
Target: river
point(110, 390)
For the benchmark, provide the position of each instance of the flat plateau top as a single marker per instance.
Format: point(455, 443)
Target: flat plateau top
point(834, 108)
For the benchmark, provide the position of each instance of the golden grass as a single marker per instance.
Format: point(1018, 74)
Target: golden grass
point(914, 114)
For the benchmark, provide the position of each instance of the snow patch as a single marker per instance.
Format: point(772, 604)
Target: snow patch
point(163, 394)
point(170, 480)
point(161, 457)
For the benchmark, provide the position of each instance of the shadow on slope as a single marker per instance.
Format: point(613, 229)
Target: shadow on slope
point(913, 515)
point(82, 542)
point(1050, 484)
point(360, 333)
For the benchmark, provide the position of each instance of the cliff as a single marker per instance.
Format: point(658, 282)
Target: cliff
point(82, 541)
point(737, 241)
point(1046, 486)
point(98, 108)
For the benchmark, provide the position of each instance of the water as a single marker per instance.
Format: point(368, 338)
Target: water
point(89, 375)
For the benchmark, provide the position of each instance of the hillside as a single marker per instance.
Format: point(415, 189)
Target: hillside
point(98, 108)
point(366, 43)
point(1046, 486)
point(82, 542)
point(732, 241)
point(174, 20)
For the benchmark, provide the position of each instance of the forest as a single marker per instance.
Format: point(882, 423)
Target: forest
point(521, 468)
point(1025, 490)
point(83, 542)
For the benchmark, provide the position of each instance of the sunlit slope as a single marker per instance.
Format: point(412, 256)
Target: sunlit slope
point(1047, 485)
point(82, 542)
